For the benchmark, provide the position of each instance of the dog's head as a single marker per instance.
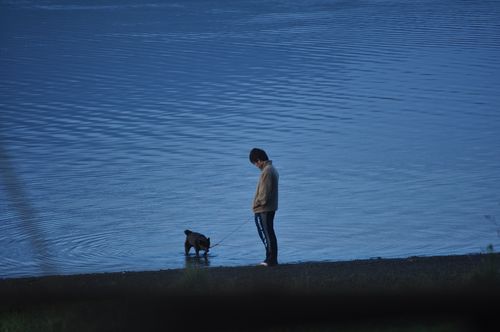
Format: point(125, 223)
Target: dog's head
point(205, 244)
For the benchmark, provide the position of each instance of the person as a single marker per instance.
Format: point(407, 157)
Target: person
point(265, 204)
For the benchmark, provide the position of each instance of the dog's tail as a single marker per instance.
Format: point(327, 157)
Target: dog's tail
point(187, 232)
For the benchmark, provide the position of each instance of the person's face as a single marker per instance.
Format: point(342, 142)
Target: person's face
point(259, 164)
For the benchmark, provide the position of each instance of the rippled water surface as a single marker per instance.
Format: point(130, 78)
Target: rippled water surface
point(122, 123)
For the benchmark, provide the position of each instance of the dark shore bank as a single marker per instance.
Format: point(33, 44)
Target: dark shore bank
point(441, 293)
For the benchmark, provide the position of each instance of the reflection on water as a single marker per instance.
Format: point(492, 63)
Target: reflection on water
point(126, 123)
point(192, 261)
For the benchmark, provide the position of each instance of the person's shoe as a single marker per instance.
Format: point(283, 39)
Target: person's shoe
point(264, 264)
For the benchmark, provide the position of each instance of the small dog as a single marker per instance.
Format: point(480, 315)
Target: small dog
point(196, 240)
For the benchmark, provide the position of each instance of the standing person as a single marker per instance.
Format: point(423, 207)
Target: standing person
point(265, 204)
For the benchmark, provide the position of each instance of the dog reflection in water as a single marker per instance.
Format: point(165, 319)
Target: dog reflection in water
point(197, 241)
point(192, 261)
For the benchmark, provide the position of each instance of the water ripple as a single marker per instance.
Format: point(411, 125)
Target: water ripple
point(132, 123)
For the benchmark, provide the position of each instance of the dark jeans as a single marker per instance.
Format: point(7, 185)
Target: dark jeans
point(264, 222)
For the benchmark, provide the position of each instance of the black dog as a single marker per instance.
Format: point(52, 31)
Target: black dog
point(196, 240)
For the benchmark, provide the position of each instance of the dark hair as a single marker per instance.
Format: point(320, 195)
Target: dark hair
point(257, 154)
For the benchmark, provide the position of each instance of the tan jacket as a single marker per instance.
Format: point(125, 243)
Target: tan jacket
point(266, 196)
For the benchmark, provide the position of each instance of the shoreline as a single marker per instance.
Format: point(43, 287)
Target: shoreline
point(456, 270)
point(460, 291)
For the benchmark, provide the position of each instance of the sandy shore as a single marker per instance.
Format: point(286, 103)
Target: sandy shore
point(460, 289)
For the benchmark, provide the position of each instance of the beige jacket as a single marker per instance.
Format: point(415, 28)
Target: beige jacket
point(266, 196)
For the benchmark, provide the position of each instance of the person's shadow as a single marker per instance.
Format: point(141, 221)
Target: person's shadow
point(196, 261)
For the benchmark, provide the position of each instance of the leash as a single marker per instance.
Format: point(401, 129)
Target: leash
point(215, 245)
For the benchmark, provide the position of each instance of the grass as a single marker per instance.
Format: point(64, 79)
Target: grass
point(414, 294)
point(45, 318)
point(76, 318)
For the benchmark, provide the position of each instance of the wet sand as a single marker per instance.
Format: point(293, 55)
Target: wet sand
point(459, 290)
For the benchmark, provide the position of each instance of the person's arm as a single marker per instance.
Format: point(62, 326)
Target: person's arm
point(265, 188)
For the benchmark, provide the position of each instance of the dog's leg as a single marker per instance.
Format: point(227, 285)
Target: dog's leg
point(187, 247)
point(197, 248)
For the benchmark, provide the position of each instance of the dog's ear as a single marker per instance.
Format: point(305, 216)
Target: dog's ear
point(208, 240)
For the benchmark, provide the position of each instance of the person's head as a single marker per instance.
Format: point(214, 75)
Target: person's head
point(257, 156)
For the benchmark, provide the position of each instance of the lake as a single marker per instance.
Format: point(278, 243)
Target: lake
point(124, 123)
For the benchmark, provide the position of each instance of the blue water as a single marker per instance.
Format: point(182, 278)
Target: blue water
point(122, 123)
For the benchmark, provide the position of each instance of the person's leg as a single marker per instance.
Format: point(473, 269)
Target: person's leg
point(260, 228)
point(260, 222)
point(267, 221)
